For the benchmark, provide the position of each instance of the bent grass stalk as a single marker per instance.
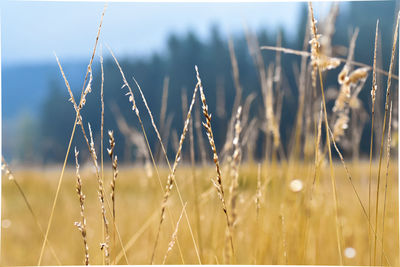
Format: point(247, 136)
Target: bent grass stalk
point(171, 178)
point(308, 54)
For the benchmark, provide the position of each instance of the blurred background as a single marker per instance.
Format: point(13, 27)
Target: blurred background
point(159, 43)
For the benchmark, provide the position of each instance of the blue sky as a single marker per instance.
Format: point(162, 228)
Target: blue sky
point(31, 31)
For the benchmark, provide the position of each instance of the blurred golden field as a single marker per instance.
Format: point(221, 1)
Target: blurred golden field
point(291, 227)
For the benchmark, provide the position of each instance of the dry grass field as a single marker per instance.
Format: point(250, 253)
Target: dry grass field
point(290, 227)
point(311, 206)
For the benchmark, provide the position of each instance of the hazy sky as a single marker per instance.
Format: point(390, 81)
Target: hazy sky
point(31, 31)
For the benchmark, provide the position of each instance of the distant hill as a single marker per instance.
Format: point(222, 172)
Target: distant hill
point(24, 89)
point(25, 86)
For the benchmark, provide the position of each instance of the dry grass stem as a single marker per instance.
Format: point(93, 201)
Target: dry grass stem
point(102, 123)
point(174, 236)
point(106, 244)
point(136, 110)
point(152, 120)
point(388, 145)
point(81, 224)
point(199, 134)
point(373, 94)
point(389, 82)
point(114, 162)
point(350, 179)
point(308, 54)
point(178, 153)
point(171, 176)
point(315, 53)
point(69, 144)
point(218, 181)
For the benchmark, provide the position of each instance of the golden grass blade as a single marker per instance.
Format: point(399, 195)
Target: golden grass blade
point(135, 237)
point(136, 110)
point(218, 181)
point(201, 144)
point(195, 189)
point(91, 144)
point(105, 245)
point(174, 236)
point(315, 55)
point(373, 94)
point(179, 152)
point(308, 54)
point(389, 82)
point(81, 224)
point(350, 179)
point(165, 154)
point(389, 140)
point(114, 162)
point(69, 144)
point(102, 124)
point(171, 179)
point(152, 120)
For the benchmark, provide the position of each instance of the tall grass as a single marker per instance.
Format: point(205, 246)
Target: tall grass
point(297, 208)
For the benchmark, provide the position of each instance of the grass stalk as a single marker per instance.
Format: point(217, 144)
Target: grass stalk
point(373, 94)
point(82, 224)
point(69, 144)
point(315, 52)
point(90, 146)
point(389, 140)
point(102, 124)
point(389, 82)
point(350, 179)
point(174, 236)
point(136, 110)
point(114, 162)
point(342, 60)
point(171, 179)
point(218, 181)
